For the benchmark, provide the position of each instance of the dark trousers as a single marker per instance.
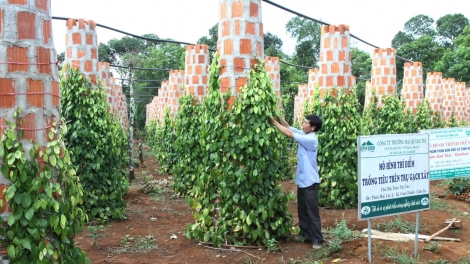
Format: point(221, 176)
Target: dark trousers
point(309, 214)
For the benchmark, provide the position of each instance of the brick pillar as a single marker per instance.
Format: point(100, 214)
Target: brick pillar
point(28, 73)
point(105, 76)
point(196, 69)
point(312, 81)
point(353, 80)
point(459, 102)
point(300, 99)
point(335, 58)
point(434, 91)
point(384, 73)
point(176, 80)
point(240, 39)
point(467, 103)
point(273, 69)
point(448, 97)
point(81, 48)
point(163, 102)
point(412, 91)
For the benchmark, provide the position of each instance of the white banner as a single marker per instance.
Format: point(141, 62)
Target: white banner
point(393, 174)
point(449, 152)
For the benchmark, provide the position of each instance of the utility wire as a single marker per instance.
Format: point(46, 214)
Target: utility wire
point(141, 80)
point(147, 87)
point(144, 69)
point(295, 65)
point(135, 36)
point(327, 24)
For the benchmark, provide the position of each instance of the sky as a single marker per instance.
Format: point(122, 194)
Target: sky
point(375, 21)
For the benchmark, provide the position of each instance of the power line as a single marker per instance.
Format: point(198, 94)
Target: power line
point(135, 36)
point(149, 87)
point(144, 69)
point(140, 80)
point(327, 24)
point(295, 65)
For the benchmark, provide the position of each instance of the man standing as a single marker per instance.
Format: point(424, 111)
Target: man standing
point(307, 176)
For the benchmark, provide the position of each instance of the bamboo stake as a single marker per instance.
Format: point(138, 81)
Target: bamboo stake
point(442, 230)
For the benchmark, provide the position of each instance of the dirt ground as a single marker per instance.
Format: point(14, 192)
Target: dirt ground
point(153, 233)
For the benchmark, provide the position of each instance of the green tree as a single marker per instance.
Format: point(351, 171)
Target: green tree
point(210, 40)
point(272, 45)
point(143, 54)
point(361, 68)
point(308, 37)
point(450, 27)
point(456, 62)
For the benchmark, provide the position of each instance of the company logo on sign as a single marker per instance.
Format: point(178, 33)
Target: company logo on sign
point(365, 210)
point(424, 201)
point(368, 146)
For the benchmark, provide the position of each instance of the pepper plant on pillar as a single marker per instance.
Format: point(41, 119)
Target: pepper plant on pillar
point(237, 198)
point(165, 139)
point(98, 144)
point(44, 197)
point(337, 153)
point(187, 146)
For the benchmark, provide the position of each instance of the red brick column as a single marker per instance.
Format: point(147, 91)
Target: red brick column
point(240, 38)
point(299, 102)
point(81, 48)
point(273, 68)
point(384, 74)
point(163, 100)
point(434, 91)
point(412, 91)
point(312, 81)
point(196, 69)
point(152, 110)
point(28, 72)
point(448, 97)
point(467, 103)
point(335, 58)
point(460, 111)
point(176, 80)
point(105, 78)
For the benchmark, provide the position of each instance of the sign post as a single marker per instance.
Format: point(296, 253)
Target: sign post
point(393, 176)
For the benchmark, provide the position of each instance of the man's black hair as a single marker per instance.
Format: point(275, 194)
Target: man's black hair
point(315, 121)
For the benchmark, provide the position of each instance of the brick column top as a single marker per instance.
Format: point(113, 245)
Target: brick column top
point(240, 39)
point(335, 58)
point(412, 91)
point(384, 73)
point(81, 47)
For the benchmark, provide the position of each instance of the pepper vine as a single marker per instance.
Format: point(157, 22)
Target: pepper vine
point(337, 153)
point(235, 194)
point(44, 197)
point(98, 143)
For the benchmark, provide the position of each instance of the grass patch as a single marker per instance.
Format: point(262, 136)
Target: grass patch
point(397, 256)
point(398, 225)
point(136, 245)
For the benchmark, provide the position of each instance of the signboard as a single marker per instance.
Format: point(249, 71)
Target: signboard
point(449, 152)
point(393, 174)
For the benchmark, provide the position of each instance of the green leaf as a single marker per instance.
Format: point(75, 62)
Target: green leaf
point(29, 214)
point(52, 160)
point(63, 221)
point(26, 243)
point(11, 252)
point(25, 200)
